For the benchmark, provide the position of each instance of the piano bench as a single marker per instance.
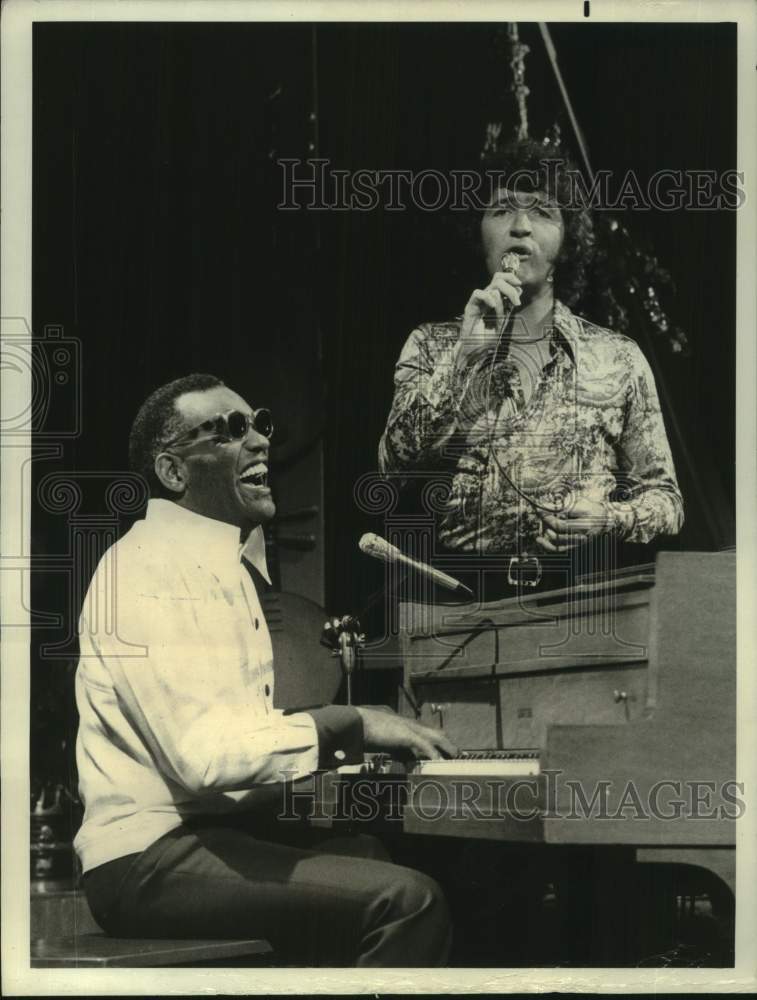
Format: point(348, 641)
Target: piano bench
point(98, 951)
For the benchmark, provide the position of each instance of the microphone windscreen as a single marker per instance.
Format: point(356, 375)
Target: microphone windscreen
point(372, 545)
point(379, 548)
point(510, 262)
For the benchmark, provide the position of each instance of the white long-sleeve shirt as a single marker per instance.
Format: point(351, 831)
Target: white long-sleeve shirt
point(175, 686)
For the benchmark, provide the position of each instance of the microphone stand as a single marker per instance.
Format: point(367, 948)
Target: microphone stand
point(344, 637)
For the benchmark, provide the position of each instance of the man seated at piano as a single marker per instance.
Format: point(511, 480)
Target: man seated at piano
point(181, 753)
point(546, 428)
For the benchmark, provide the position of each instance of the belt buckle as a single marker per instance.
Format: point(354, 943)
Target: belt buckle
point(529, 579)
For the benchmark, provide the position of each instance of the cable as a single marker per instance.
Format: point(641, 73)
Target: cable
point(491, 430)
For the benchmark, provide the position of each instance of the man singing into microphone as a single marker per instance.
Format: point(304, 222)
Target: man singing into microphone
point(181, 753)
point(548, 427)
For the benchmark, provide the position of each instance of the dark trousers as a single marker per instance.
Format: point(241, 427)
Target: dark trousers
point(333, 902)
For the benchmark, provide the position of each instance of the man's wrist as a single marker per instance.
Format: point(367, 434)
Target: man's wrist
point(621, 520)
point(340, 735)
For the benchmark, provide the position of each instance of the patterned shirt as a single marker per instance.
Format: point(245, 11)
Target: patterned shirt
point(591, 427)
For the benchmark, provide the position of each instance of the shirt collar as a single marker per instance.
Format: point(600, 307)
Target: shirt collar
point(566, 330)
point(253, 550)
point(217, 541)
point(564, 334)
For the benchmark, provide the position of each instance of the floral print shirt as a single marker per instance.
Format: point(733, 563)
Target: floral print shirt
point(590, 428)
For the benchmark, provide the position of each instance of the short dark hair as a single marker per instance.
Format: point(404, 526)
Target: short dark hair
point(577, 251)
point(157, 421)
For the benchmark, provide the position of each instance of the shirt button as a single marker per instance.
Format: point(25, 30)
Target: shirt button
point(257, 623)
point(268, 690)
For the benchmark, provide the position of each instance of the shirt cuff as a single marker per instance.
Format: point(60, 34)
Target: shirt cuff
point(622, 519)
point(340, 735)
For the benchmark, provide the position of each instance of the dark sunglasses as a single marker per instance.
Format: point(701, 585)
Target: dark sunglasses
point(232, 426)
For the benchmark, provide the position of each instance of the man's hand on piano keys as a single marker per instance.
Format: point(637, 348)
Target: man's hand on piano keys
point(385, 731)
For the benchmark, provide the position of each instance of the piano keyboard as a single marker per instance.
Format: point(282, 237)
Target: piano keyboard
point(476, 763)
point(482, 763)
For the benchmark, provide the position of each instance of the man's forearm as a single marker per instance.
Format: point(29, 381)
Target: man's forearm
point(655, 511)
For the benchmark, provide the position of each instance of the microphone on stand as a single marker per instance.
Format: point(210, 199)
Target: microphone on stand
point(379, 548)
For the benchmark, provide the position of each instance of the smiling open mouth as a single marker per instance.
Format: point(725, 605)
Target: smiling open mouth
point(255, 475)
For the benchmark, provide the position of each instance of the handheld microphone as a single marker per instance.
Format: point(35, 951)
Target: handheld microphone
point(379, 548)
point(510, 264)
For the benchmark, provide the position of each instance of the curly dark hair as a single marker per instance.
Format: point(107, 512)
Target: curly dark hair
point(553, 172)
point(157, 421)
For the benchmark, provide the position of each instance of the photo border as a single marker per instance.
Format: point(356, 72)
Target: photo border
point(18, 979)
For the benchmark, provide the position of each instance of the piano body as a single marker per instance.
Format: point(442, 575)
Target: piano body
point(624, 691)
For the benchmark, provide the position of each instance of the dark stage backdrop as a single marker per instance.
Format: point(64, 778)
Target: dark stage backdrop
point(157, 242)
point(647, 97)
